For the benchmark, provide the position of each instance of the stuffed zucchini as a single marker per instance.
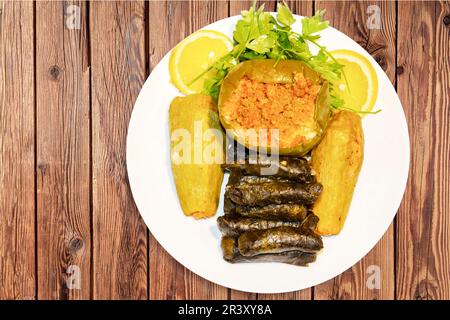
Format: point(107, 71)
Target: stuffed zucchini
point(197, 181)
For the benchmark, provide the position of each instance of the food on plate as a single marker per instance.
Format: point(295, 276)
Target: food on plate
point(286, 96)
point(258, 35)
point(263, 222)
point(283, 167)
point(278, 239)
point(273, 192)
point(337, 161)
point(259, 179)
point(359, 90)
point(231, 254)
point(310, 221)
point(198, 181)
point(190, 59)
point(228, 206)
point(271, 93)
point(284, 211)
point(234, 225)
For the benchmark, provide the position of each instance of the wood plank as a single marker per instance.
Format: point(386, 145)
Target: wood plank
point(303, 8)
point(169, 23)
point(423, 267)
point(439, 261)
point(351, 18)
point(204, 12)
point(118, 72)
point(63, 195)
point(236, 6)
point(17, 187)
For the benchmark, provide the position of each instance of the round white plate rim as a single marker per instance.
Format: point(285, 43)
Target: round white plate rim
point(133, 176)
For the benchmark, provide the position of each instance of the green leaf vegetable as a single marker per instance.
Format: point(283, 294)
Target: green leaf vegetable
point(258, 35)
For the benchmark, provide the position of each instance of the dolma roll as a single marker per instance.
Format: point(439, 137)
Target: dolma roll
point(297, 169)
point(310, 221)
point(233, 225)
point(274, 192)
point(278, 239)
point(228, 206)
point(285, 212)
point(258, 179)
point(231, 254)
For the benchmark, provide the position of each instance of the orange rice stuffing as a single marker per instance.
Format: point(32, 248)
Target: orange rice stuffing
point(286, 107)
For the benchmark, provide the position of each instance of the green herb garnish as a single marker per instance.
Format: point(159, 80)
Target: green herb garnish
point(258, 35)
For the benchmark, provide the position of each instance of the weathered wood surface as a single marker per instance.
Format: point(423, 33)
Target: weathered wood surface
point(17, 152)
point(63, 160)
point(120, 264)
point(423, 225)
point(66, 95)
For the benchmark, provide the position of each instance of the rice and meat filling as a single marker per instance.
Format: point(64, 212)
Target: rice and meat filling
point(288, 107)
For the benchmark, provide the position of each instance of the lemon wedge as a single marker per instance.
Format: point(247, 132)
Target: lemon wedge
point(360, 91)
point(193, 56)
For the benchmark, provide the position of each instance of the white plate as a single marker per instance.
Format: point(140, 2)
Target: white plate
point(196, 244)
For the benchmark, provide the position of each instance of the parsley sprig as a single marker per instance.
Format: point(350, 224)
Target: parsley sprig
point(259, 35)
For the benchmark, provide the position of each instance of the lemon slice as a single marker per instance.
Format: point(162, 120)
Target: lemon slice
point(360, 91)
point(192, 57)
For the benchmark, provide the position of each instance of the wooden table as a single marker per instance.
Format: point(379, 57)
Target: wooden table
point(69, 228)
